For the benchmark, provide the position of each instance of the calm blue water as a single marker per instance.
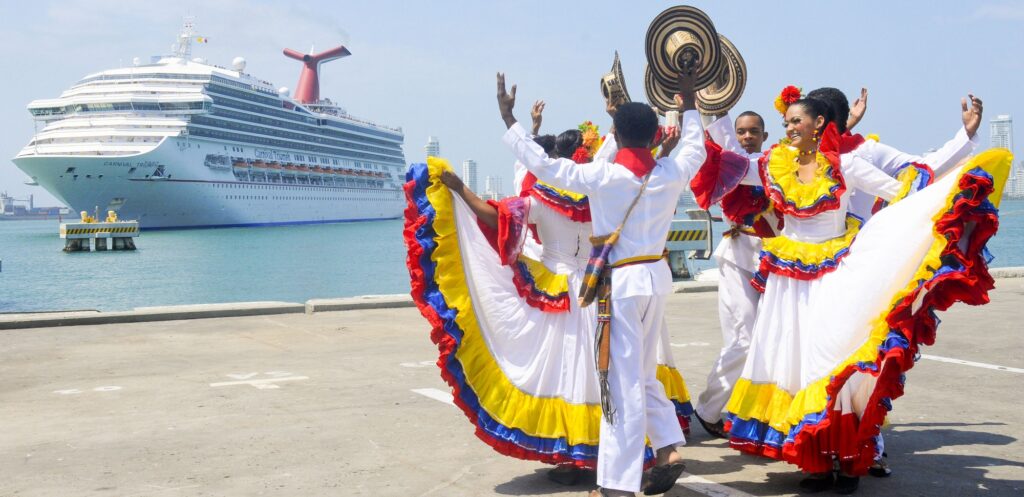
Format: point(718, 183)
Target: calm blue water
point(293, 263)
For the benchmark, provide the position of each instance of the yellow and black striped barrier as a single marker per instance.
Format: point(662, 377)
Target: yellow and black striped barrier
point(86, 231)
point(687, 235)
point(88, 236)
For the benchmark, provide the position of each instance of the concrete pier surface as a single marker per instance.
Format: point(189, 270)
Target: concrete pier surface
point(351, 403)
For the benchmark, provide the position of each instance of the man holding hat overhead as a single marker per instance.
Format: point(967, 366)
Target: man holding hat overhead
point(640, 279)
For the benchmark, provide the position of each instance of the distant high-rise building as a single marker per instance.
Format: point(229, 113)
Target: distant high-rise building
point(469, 174)
point(1002, 132)
point(1001, 136)
point(433, 147)
point(492, 184)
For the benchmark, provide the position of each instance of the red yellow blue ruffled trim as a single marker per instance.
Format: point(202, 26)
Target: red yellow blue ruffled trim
point(539, 286)
point(508, 419)
point(804, 260)
point(572, 205)
point(803, 428)
point(793, 197)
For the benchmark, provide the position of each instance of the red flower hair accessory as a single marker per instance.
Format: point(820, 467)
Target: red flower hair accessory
point(789, 95)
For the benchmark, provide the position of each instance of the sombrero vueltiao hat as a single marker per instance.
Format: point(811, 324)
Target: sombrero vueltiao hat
point(680, 37)
point(727, 87)
point(613, 84)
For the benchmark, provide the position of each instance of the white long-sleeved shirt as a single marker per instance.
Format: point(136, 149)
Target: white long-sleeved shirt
point(741, 249)
point(889, 159)
point(611, 188)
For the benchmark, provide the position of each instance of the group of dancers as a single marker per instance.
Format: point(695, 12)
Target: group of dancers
point(840, 250)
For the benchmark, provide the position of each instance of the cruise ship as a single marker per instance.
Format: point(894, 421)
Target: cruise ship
point(177, 142)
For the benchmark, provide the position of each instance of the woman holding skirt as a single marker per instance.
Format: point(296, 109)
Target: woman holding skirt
point(846, 304)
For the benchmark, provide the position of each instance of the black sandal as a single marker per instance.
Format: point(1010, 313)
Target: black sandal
point(716, 430)
point(663, 478)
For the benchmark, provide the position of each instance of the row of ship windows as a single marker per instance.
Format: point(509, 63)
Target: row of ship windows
point(275, 104)
point(271, 197)
point(262, 140)
point(287, 134)
point(120, 106)
point(222, 104)
point(105, 139)
point(250, 186)
point(114, 77)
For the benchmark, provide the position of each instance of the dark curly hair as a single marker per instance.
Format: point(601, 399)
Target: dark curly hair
point(636, 124)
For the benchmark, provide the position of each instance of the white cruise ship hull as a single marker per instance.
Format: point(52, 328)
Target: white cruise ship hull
point(191, 194)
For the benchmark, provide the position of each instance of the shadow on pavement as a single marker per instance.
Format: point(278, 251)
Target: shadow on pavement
point(537, 483)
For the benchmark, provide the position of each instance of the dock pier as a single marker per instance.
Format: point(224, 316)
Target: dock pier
point(88, 234)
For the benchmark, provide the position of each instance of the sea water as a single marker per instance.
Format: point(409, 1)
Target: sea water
point(289, 263)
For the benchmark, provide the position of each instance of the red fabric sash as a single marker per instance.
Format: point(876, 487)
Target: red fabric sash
point(637, 160)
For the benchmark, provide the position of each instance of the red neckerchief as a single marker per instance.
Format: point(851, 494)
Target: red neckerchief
point(528, 181)
point(849, 142)
point(637, 160)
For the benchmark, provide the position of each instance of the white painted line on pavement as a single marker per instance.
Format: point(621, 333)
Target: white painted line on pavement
point(708, 487)
point(261, 383)
point(436, 394)
point(691, 344)
point(971, 363)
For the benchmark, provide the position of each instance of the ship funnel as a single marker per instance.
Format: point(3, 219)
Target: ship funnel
point(308, 89)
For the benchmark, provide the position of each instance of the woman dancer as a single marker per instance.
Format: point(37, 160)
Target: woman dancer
point(840, 320)
point(515, 346)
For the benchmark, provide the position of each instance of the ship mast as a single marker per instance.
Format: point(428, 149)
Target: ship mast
point(183, 48)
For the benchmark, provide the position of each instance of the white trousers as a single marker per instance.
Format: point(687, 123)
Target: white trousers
point(737, 309)
point(641, 408)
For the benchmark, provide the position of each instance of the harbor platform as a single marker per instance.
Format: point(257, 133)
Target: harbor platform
point(323, 402)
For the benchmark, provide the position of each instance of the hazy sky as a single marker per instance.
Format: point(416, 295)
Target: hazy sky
point(429, 66)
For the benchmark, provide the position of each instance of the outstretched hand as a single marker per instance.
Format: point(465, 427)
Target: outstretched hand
point(506, 101)
point(857, 110)
point(972, 115)
point(537, 115)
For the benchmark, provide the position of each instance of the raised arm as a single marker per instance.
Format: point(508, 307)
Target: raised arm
point(562, 173)
point(861, 175)
point(691, 153)
point(723, 132)
point(889, 159)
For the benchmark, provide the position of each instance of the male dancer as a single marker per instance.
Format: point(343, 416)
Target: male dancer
point(639, 283)
point(737, 260)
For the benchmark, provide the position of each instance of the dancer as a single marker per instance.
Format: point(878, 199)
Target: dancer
point(639, 279)
point(840, 320)
point(516, 349)
point(887, 158)
point(737, 259)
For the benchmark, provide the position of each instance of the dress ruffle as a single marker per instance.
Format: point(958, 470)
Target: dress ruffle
point(804, 260)
point(572, 205)
point(546, 428)
point(807, 428)
point(539, 286)
point(789, 195)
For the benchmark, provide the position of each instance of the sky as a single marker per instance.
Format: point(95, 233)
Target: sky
point(430, 67)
